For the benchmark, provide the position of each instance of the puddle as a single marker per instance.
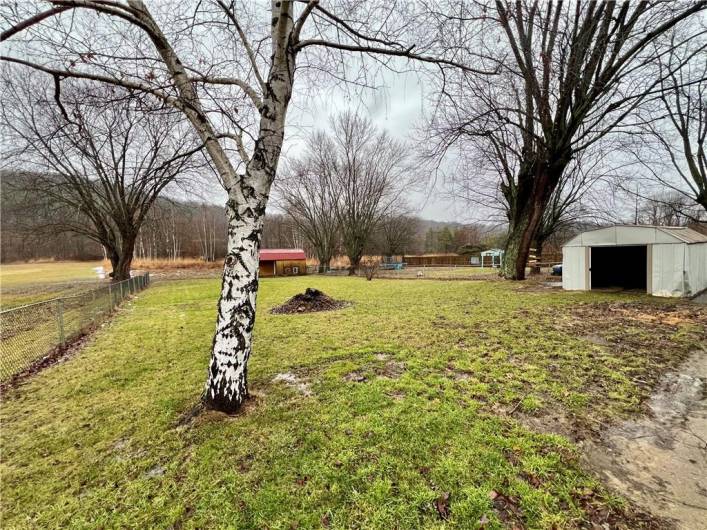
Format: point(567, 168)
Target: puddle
point(660, 461)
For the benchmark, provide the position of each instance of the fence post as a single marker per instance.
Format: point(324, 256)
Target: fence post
point(60, 319)
point(110, 298)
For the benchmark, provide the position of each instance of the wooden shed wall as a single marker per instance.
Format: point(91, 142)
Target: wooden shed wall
point(270, 268)
point(283, 265)
point(266, 269)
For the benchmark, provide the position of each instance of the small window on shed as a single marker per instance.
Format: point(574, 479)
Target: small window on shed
point(295, 270)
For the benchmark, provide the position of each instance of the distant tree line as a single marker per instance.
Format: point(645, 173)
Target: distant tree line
point(174, 229)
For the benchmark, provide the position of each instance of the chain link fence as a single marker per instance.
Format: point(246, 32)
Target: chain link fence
point(29, 332)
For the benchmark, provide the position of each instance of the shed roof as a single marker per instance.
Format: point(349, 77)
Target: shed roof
point(688, 235)
point(636, 235)
point(272, 254)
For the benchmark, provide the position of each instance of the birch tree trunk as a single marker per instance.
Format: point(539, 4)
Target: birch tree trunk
point(227, 383)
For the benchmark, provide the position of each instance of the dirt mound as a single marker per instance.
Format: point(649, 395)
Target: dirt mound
point(308, 302)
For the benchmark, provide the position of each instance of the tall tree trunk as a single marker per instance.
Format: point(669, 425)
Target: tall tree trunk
point(520, 233)
point(114, 260)
point(354, 263)
point(227, 381)
point(324, 264)
point(227, 385)
point(525, 213)
point(121, 268)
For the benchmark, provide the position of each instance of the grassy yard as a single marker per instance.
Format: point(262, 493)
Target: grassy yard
point(411, 408)
point(441, 273)
point(27, 283)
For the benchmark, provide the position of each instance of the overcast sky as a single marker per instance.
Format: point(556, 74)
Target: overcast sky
point(398, 106)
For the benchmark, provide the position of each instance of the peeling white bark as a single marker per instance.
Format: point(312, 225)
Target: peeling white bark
point(227, 384)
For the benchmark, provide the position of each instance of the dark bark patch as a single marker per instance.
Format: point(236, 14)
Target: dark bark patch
point(311, 301)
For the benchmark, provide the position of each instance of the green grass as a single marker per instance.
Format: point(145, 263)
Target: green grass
point(27, 283)
point(448, 369)
point(440, 273)
point(19, 274)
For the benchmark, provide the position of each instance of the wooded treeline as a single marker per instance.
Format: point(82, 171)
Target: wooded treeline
point(185, 229)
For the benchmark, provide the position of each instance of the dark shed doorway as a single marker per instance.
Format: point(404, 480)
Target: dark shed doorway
point(624, 267)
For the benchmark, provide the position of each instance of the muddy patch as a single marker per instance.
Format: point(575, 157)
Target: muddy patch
point(458, 374)
point(388, 370)
point(356, 376)
point(391, 370)
point(663, 315)
point(293, 381)
point(555, 422)
point(311, 301)
point(660, 461)
point(596, 339)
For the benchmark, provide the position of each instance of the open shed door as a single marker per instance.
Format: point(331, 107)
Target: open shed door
point(624, 267)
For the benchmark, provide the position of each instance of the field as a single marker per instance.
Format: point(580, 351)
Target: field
point(424, 404)
point(26, 283)
point(441, 273)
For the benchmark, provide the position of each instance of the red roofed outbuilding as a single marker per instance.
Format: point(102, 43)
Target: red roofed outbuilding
point(282, 262)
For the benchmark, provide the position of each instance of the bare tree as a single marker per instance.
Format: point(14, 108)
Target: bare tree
point(398, 231)
point(370, 267)
point(580, 196)
point(230, 68)
point(666, 209)
point(101, 155)
point(29, 220)
point(672, 153)
point(685, 102)
point(207, 233)
point(307, 200)
point(570, 74)
point(366, 177)
point(280, 232)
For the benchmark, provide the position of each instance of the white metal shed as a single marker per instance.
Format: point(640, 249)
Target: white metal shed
point(662, 260)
